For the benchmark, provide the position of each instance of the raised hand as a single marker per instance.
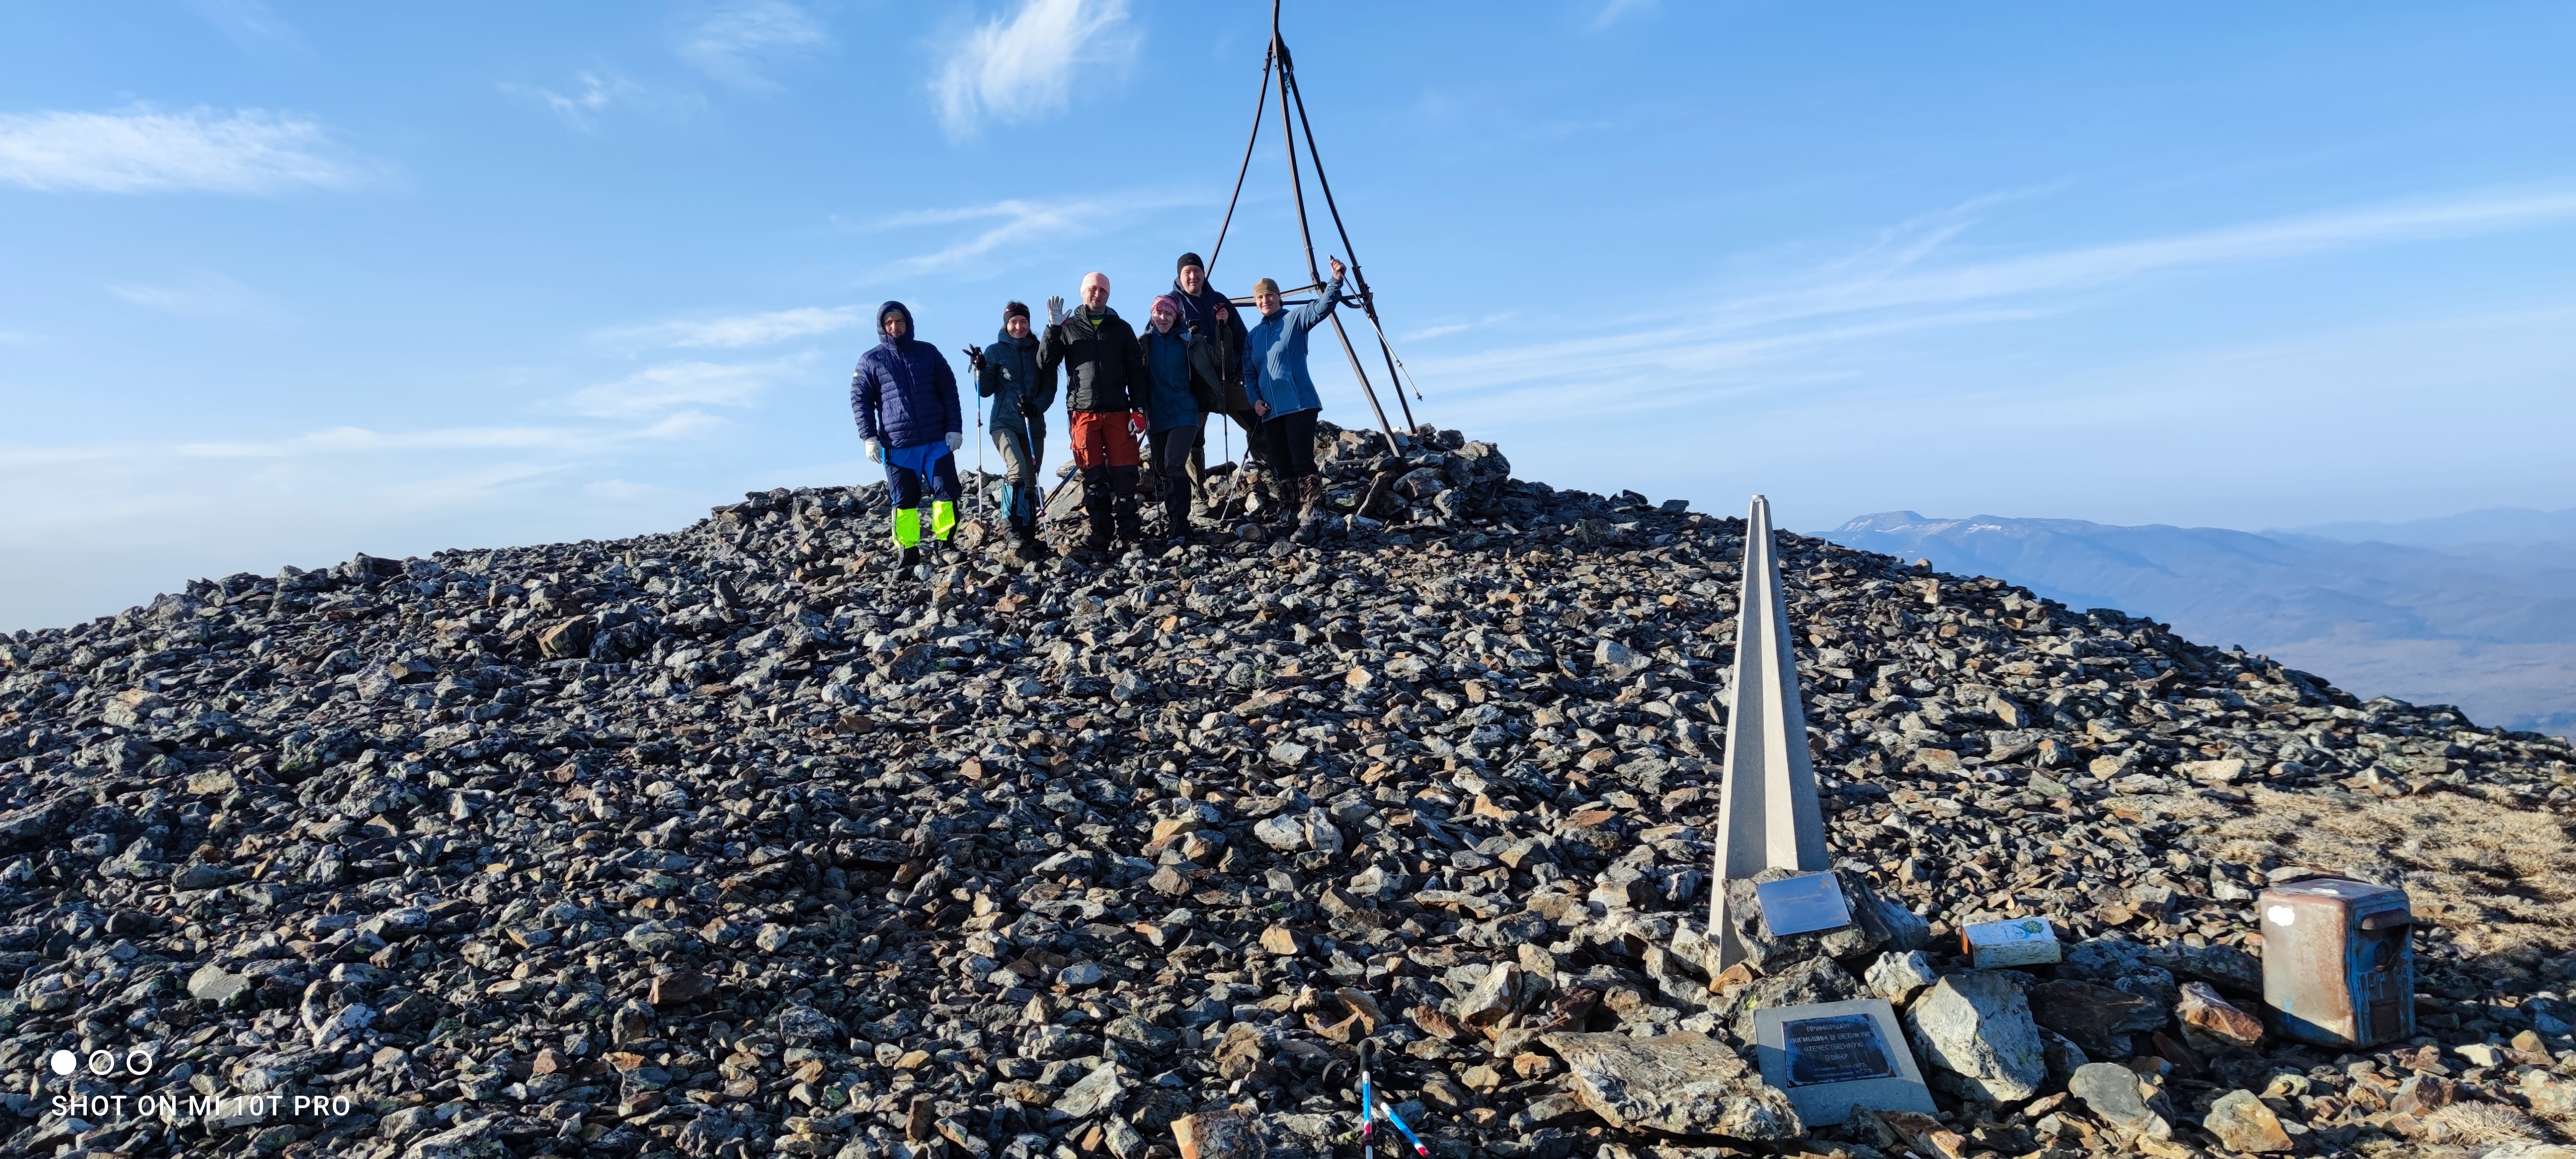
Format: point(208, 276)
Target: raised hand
point(1055, 310)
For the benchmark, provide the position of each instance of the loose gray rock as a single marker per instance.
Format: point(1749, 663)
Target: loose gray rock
point(2243, 1124)
point(1975, 1033)
point(216, 986)
point(2110, 1090)
point(1898, 977)
point(1100, 1091)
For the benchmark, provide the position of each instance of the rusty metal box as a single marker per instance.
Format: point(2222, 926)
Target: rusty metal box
point(2339, 961)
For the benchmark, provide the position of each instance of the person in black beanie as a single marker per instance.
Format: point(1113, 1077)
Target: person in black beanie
point(1008, 372)
point(1207, 314)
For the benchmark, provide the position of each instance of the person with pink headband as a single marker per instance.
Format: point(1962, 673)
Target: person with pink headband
point(1178, 367)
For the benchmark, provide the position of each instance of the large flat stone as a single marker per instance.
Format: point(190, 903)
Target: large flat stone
point(1684, 1083)
point(1975, 1031)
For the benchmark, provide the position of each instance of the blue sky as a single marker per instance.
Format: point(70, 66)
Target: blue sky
point(285, 282)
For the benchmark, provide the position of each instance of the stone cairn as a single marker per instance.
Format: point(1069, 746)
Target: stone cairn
point(724, 842)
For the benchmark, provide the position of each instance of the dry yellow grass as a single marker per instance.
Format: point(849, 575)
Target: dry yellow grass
point(2502, 881)
point(2479, 1124)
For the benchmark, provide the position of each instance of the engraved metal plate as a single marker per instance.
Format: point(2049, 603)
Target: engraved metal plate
point(1803, 904)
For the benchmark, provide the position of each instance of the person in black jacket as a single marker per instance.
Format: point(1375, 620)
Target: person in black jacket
point(1104, 396)
point(1206, 314)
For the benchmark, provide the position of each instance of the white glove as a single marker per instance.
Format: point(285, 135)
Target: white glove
point(1055, 310)
point(956, 439)
point(876, 454)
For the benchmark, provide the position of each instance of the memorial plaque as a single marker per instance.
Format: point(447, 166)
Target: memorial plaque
point(1841, 1049)
point(1832, 1057)
point(1803, 904)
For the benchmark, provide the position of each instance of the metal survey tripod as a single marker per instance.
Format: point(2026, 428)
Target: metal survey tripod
point(1278, 63)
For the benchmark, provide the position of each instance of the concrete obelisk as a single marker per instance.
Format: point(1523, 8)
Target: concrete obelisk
point(1767, 812)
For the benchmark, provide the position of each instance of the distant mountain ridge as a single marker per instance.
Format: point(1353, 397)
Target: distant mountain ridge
point(2510, 525)
point(2479, 611)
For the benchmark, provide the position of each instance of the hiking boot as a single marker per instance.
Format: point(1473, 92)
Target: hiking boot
point(905, 562)
point(1310, 509)
point(1031, 549)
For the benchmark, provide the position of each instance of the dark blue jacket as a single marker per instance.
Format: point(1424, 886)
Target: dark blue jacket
point(1170, 402)
point(1021, 392)
point(904, 394)
point(1274, 356)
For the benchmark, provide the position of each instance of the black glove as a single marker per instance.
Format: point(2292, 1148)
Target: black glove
point(975, 359)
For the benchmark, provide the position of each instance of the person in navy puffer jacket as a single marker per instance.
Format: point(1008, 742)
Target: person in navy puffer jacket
point(904, 397)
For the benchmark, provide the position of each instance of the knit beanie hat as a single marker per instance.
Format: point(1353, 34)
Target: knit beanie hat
point(1014, 310)
point(1265, 286)
point(1170, 303)
point(1188, 260)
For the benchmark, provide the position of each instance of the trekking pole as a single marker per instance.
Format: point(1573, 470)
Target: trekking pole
point(1409, 1136)
point(1019, 494)
point(1234, 478)
point(1373, 1106)
point(975, 366)
point(1368, 1125)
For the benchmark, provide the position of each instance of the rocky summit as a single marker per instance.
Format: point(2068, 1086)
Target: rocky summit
point(731, 842)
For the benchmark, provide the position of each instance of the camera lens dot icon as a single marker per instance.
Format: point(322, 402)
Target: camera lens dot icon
point(64, 1062)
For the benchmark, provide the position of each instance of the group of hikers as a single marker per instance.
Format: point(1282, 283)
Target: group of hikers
point(1136, 406)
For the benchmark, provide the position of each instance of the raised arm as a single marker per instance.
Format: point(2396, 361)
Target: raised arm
point(1307, 316)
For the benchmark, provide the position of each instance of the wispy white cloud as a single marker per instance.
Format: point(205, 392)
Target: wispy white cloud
point(1611, 10)
point(202, 295)
point(1013, 220)
point(143, 150)
point(1798, 324)
point(1021, 66)
point(1429, 332)
point(593, 91)
point(741, 330)
point(14, 337)
point(742, 42)
point(249, 24)
point(1018, 220)
point(677, 384)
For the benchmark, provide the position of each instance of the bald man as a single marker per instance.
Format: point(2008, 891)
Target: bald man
point(1104, 399)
